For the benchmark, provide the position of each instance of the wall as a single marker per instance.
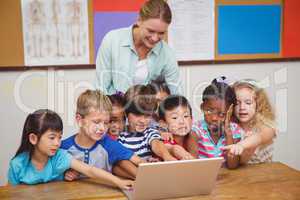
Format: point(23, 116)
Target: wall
point(25, 91)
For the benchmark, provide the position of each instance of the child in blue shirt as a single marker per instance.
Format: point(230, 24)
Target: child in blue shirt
point(92, 144)
point(39, 159)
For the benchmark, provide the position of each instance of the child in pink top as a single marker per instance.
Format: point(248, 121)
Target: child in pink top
point(216, 130)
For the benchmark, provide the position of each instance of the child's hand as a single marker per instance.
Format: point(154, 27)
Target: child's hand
point(71, 175)
point(152, 159)
point(166, 136)
point(181, 153)
point(124, 184)
point(187, 156)
point(228, 119)
point(234, 149)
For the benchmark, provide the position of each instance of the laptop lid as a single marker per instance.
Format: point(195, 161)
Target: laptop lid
point(175, 179)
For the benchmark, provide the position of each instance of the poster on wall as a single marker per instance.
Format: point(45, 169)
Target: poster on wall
point(55, 32)
point(191, 33)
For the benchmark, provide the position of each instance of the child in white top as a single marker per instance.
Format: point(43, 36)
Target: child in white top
point(255, 115)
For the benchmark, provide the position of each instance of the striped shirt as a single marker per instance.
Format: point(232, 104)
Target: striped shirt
point(207, 148)
point(140, 142)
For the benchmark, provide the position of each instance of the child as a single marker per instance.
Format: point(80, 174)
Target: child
point(91, 144)
point(161, 92)
point(216, 130)
point(117, 120)
point(39, 159)
point(175, 113)
point(142, 140)
point(161, 88)
point(254, 113)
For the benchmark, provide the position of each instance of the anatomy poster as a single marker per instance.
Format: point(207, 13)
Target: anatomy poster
point(55, 32)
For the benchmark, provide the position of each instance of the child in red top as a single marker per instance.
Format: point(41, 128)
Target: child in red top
point(175, 113)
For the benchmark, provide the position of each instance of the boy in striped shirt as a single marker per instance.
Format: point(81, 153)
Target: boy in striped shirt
point(146, 142)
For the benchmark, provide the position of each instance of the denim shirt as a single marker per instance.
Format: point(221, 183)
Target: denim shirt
point(117, 58)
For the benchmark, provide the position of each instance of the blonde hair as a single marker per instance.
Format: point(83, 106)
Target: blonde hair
point(93, 100)
point(264, 115)
point(156, 9)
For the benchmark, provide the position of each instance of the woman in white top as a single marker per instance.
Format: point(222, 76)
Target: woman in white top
point(137, 54)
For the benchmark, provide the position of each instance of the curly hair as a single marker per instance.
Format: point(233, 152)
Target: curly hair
point(264, 114)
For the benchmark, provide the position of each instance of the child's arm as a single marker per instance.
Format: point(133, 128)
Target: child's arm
point(126, 169)
point(160, 150)
point(180, 153)
point(94, 172)
point(232, 161)
point(192, 144)
point(13, 173)
point(252, 142)
point(166, 136)
point(71, 175)
point(136, 160)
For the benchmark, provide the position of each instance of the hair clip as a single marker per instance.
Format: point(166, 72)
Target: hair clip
point(222, 79)
point(119, 93)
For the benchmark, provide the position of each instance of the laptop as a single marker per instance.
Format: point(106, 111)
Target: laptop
point(174, 179)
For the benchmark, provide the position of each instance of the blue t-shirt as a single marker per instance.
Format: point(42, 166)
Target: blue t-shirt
point(103, 154)
point(21, 169)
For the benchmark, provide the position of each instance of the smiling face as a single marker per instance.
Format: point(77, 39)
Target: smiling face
point(214, 114)
point(117, 121)
point(246, 104)
point(94, 125)
point(151, 31)
point(48, 143)
point(179, 120)
point(138, 123)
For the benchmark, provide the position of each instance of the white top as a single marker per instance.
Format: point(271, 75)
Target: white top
point(141, 72)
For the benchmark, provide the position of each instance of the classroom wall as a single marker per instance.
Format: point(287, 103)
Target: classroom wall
point(24, 91)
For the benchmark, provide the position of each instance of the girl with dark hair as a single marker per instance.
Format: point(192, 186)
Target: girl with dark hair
point(216, 130)
point(117, 119)
point(39, 158)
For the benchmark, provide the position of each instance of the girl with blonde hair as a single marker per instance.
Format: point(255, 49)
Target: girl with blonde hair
point(254, 113)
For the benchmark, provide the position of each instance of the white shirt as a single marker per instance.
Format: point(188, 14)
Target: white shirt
point(141, 72)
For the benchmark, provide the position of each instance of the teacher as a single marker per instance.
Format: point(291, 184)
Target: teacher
point(137, 54)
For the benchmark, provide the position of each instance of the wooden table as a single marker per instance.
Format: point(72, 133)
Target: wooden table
point(274, 181)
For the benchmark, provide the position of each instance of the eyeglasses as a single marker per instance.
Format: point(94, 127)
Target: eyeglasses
point(215, 113)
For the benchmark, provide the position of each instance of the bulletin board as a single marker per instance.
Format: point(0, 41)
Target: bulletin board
point(248, 29)
point(11, 51)
point(291, 29)
point(11, 38)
